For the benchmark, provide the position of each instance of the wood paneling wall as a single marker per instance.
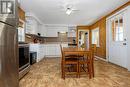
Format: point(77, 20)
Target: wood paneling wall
point(101, 51)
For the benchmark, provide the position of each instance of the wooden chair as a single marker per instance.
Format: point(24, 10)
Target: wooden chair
point(86, 64)
point(68, 60)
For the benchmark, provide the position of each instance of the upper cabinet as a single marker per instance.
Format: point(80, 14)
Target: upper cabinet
point(52, 33)
point(72, 31)
point(32, 24)
point(21, 14)
point(52, 30)
point(42, 30)
point(21, 26)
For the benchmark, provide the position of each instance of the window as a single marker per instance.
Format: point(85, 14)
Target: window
point(117, 29)
point(95, 36)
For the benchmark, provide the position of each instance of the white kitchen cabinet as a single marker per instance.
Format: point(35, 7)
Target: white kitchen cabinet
point(58, 50)
point(42, 30)
point(53, 50)
point(71, 34)
point(46, 50)
point(72, 31)
point(40, 49)
point(31, 26)
point(62, 29)
point(21, 34)
point(51, 33)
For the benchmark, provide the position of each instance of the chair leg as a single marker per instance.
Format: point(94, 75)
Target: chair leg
point(61, 70)
point(89, 69)
point(92, 69)
point(63, 67)
point(79, 69)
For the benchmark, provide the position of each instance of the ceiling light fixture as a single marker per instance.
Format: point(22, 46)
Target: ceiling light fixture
point(68, 11)
point(63, 32)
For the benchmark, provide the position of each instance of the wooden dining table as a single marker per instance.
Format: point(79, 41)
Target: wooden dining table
point(77, 50)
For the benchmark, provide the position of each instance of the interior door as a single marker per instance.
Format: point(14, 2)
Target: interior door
point(117, 40)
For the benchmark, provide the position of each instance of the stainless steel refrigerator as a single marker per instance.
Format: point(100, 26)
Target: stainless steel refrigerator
point(9, 67)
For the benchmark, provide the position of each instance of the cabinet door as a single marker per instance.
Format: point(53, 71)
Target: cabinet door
point(51, 50)
point(41, 52)
point(42, 30)
point(57, 50)
point(31, 26)
point(52, 33)
point(21, 34)
point(47, 50)
point(71, 34)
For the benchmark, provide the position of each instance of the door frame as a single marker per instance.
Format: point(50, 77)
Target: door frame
point(127, 9)
point(86, 30)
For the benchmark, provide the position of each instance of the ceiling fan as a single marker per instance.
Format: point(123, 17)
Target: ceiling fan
point(69, 8)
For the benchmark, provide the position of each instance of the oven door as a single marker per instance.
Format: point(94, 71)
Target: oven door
point(24, 59)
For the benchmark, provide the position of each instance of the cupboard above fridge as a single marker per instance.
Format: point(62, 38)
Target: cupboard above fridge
point(21, 25)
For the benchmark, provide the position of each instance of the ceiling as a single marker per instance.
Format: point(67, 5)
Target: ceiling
point(53, 12)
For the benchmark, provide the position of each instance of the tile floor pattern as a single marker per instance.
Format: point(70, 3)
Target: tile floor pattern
point(47, 73)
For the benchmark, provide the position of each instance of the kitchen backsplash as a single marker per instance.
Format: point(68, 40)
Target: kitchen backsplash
point(50, 39)
point(58, 39)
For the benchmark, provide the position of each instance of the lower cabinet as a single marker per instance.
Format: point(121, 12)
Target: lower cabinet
point(52, 50)
point(39, 48)
point(46, 50)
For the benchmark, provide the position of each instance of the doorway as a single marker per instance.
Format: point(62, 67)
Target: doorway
point(83, 38)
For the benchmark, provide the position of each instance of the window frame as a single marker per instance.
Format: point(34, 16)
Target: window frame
point(116, 29)
point(96, 30)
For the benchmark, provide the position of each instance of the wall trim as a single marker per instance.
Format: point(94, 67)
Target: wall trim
point(100, 58)
point(118, 12)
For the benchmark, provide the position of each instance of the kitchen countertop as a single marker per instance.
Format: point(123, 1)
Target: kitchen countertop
point(53, 43)
point(56, 42)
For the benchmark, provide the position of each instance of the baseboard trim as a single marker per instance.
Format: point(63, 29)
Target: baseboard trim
point(100, 58)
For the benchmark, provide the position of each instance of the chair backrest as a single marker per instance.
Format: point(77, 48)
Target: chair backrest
point(87, 56)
